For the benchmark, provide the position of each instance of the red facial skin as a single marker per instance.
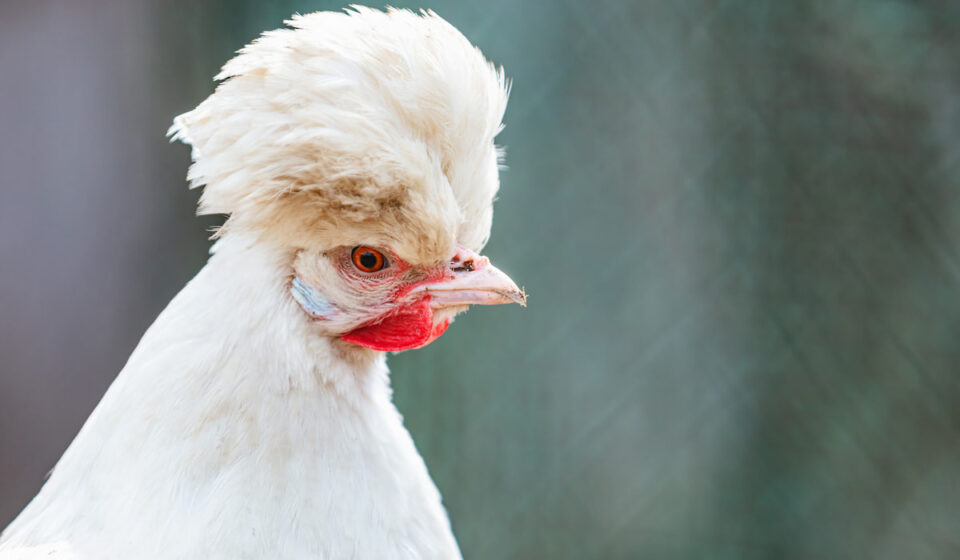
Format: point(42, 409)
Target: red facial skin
point(408, 326)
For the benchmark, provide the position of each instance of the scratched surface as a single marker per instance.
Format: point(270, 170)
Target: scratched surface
point(738, 222)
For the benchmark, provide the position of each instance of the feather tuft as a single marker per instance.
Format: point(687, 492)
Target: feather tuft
point(377, 122)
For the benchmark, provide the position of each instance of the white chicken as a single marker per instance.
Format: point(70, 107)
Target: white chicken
point(354, 156)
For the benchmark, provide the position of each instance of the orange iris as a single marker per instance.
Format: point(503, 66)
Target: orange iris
point(367, 259)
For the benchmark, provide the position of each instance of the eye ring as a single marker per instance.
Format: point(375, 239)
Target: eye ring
point(367, 259)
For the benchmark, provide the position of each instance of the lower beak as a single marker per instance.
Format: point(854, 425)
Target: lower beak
point(472, 281)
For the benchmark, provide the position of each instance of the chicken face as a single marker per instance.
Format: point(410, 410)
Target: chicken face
point(372, 298)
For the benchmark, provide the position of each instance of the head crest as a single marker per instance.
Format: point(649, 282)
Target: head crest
point(370, 123)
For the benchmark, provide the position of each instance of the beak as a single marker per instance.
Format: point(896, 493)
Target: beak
point(472, 280)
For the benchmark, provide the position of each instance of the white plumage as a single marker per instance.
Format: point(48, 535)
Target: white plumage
point(254, 419)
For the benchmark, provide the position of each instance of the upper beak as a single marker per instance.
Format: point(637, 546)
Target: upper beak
point(472, 281)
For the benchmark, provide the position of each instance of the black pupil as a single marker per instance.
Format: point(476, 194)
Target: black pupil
point(368, 259)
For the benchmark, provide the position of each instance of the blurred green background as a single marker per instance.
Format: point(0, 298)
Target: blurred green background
point(738, 223)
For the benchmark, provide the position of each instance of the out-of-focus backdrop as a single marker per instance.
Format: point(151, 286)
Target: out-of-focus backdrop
point(739, 223)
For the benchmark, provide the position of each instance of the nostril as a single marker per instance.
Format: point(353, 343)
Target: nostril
point(467, 265)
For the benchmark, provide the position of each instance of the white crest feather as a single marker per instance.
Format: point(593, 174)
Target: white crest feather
point(359, 116)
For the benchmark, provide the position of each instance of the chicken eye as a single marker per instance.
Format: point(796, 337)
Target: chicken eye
point(367, 259)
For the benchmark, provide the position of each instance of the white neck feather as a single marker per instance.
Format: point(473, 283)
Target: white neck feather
point(235, 431)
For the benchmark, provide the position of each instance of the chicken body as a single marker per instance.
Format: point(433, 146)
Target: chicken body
point(210, 445)
point(354, 156)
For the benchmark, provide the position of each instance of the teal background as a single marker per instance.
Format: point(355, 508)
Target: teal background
point(738, 223)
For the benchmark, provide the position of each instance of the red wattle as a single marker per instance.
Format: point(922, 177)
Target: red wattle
point(407, 328)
